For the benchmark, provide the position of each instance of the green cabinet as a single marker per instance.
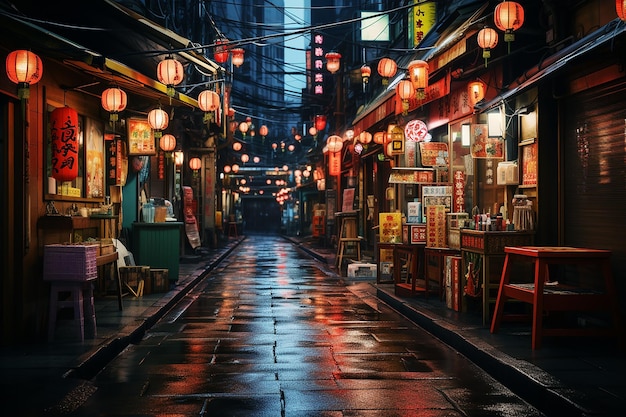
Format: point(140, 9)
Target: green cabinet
point(158, 246)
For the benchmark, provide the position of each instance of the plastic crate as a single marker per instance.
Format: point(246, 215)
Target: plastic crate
point(70, 262)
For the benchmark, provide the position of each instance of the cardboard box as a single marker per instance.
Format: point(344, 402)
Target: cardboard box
point(358, 270)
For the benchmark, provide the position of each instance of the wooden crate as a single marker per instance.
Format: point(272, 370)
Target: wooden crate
point(159, 280)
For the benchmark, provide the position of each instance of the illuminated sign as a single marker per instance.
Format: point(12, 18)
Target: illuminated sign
point(422, 19)
point(317, 64)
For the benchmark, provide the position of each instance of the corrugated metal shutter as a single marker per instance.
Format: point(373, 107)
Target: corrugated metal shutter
point(594, 181)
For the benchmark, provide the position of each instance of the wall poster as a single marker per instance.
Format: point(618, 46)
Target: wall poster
point(483, 146)
point(140, 137)
point(529, 163)
point(95, 159)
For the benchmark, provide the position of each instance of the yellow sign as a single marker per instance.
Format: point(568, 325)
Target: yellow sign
point(423, 19)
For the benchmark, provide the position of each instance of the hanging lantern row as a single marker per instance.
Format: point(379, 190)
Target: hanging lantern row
point(508, 16)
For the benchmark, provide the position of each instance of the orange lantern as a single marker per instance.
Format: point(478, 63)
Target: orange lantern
point(263, 130)
point(620, 8)
point(333, 61)
point(243, 128)
point(418, 74)
point(237, 146)
point(245, 158)
point(64, 135)
point(170, 72)
point(365, 137)
point(366, 72)
point(379, 138)
point(167, 143)
point(195, 164)
point(334, 143)
point(237, 56)
point(158, 120)
point(24, 68)
point(208, 101)
point(235, 168)
point(387, 68)
point(508, 17)
point(476, 92)
point(487, 39)
point(221, 50)
point(114, 101)
point(405, 91)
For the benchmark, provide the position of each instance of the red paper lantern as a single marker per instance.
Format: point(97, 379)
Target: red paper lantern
point(320, 122)
point(487, 39)
point(195, 164)
point(387, 68)
point(23, 68)
point(237, 56)
point(620, 8)
point(167, 143)
point(114, 101)
point(405, 91)
point(418, 74)
point(170, 72)
point(158, 120)
point(263, 130)
point(334, 143)
point(221, 50)
point(64, 138)
point(208, 100)
point(476, 92)
point(508, 17)
point(333, 61)
point(366, 72)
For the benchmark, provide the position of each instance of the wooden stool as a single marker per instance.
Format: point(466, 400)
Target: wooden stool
point(342, 248)
point(77, 295)
point(347, 236)
point(232, 229)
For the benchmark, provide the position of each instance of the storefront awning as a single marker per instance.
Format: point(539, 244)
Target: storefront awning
point(551, 65)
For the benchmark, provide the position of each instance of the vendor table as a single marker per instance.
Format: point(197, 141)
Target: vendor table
point(546, 296)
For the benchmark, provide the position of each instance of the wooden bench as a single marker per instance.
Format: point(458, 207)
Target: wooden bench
point(545, 296)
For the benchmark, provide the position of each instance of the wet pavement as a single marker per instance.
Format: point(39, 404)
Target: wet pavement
point(568, 377)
